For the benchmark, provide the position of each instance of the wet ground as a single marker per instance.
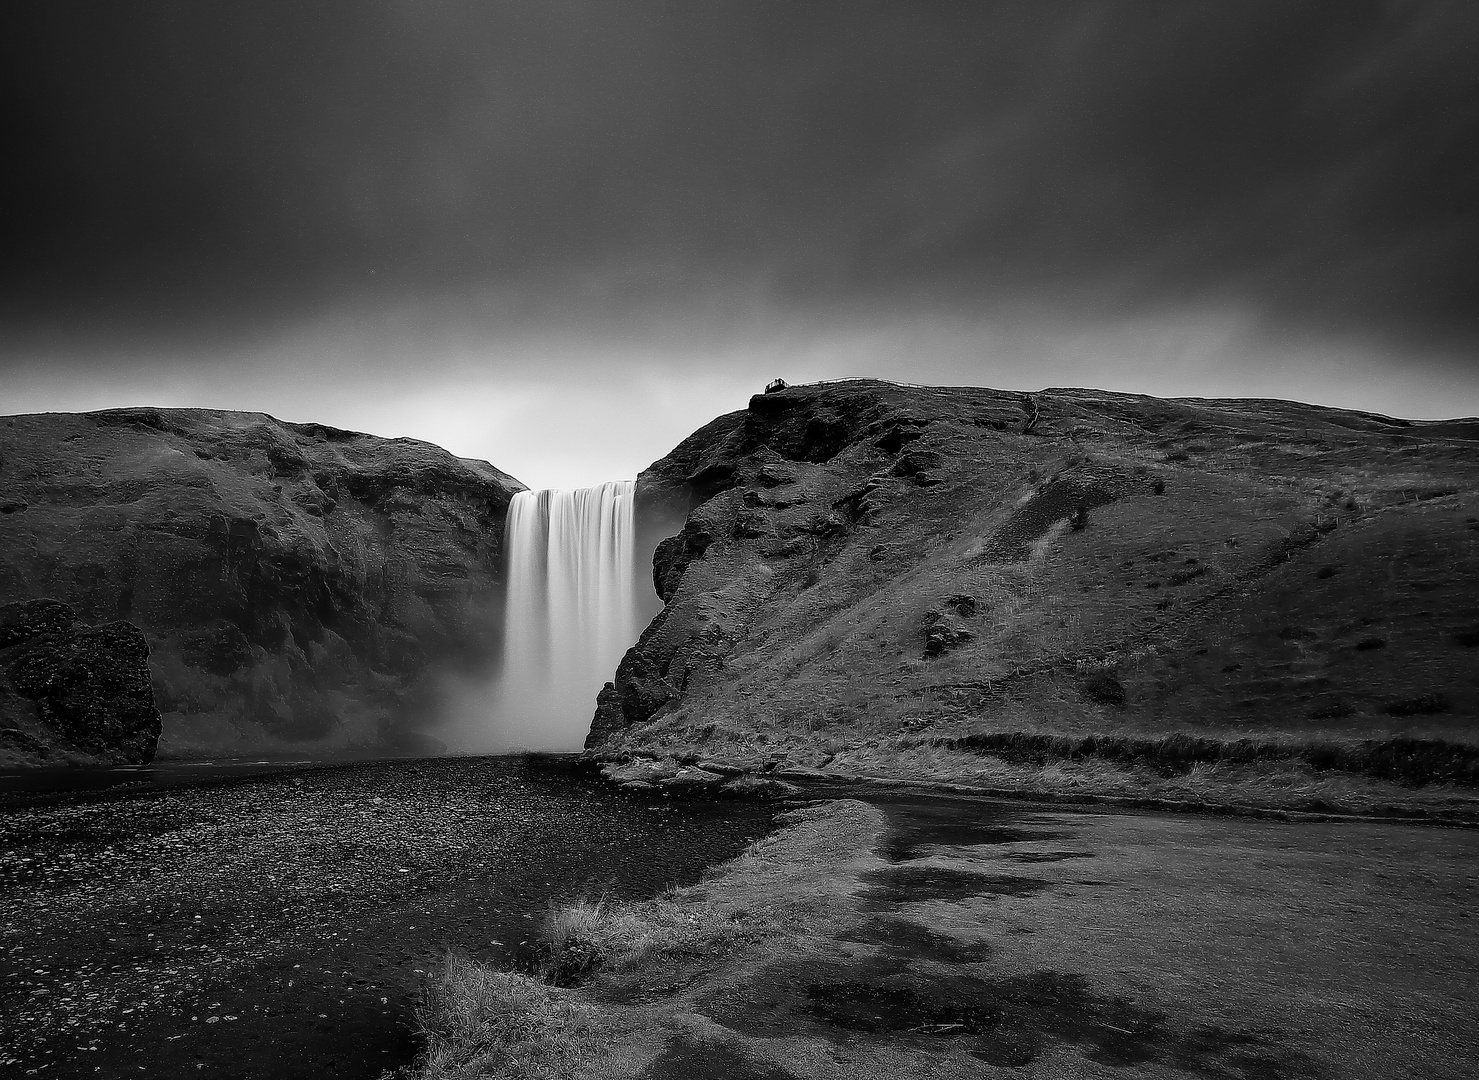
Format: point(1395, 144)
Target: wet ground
point(42, 786)
point(282, 924)
point(1040, 942)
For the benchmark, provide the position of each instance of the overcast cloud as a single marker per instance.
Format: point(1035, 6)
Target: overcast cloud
point(563, 235)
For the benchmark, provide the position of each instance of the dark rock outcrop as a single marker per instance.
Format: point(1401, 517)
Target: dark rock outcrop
point(70, 693)
point(943, 631)
point(854, 562)
point(702, 780)
point(300, 586)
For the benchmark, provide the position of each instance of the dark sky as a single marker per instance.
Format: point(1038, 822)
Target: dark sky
point(563, 235)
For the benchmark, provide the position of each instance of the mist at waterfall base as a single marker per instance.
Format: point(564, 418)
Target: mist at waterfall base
point(572, 612)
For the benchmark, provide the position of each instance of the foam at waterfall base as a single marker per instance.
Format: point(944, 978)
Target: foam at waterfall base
point(571, 614)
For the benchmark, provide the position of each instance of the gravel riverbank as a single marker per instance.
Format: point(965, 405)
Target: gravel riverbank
point(283, 925)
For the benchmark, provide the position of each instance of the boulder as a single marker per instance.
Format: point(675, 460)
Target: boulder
point(642, 770)
point(943, 631)
point(691, 780)
point(70, 693)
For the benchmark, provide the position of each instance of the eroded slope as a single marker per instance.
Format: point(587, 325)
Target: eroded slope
point(867, 572)
point(297, 583)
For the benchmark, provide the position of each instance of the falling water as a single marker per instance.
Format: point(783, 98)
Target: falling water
point(572, 611)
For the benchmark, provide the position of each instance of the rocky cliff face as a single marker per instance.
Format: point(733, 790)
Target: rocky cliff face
point(71, 694)
point(300, 586)
point(866, 571)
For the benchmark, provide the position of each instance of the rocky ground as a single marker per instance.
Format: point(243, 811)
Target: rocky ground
point(301, 588)
point(1237, 602)
point(914, 937)
point(284, 925)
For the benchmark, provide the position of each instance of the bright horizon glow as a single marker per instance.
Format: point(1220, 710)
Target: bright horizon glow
point(561, 239)
point(571, 411)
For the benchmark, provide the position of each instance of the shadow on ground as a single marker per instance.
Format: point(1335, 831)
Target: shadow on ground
point(896, 978)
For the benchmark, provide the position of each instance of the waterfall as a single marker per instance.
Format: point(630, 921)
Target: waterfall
point(571, 615)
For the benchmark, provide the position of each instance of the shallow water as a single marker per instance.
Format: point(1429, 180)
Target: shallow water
point(285, 924)
point(1095, 941)
point(30, 786)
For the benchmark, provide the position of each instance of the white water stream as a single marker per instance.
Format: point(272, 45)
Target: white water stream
point(572, 611)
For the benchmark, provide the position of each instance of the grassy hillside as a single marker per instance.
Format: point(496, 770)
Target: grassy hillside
point(1074, 590)
point(300, 586)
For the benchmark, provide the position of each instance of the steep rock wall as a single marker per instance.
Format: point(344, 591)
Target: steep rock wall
point(864, 561)
point(301, 587)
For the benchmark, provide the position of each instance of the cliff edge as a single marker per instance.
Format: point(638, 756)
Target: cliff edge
point(300, 587)
point(1074, 589)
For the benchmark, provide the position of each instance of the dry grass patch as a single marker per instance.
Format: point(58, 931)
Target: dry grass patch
point(483, 1023)
point(583, 935)
point(500, 1025)
point(1291, 784)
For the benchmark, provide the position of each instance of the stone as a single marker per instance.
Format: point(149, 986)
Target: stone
point(721, 767)
point(943, 631)
point(690, 780)
point(70, 693)
point(964, 604)
point(645, 770)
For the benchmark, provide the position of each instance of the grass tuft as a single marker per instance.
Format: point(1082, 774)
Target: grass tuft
point(580, 936)
point(1406, 761)
point(482, 1024)
point(501, 1025)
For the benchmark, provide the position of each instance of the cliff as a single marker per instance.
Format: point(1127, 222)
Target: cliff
point(71, 694)
point(301, 588)
point(976, 585)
